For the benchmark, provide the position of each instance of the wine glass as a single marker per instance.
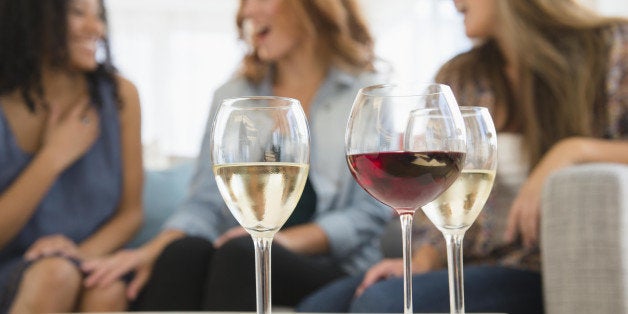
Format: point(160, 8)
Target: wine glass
point(402, 177)
point(260, 157)
point(456, 209)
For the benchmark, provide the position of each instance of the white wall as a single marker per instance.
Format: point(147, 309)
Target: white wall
point(611, 7)
point(179, 51)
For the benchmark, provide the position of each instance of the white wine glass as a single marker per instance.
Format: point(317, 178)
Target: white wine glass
point(260, 157)
point(456, 209)
point(380, 159)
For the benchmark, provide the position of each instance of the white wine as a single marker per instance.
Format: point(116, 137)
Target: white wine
point(461, 203)
point(262, 195)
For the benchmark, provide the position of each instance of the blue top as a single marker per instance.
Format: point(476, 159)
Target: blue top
point(83, 197)
point(351, 219)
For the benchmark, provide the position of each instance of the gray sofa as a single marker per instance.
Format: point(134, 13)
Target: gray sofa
point(584, 236)
point(584, 240)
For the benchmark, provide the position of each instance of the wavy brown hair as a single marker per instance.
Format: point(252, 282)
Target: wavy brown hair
point(33, 32)
point(562, 53)
point(338, 25)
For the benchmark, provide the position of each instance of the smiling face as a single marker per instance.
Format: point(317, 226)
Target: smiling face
point(480, 17)
point(86, 29)
point(270, 29)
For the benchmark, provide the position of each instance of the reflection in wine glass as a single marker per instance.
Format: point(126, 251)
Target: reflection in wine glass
point(456, 209)
point(260, 157)
point(382, 162)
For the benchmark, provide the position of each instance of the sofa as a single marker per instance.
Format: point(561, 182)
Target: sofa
point(163, 190)
point(584, 233)
point(584, 240)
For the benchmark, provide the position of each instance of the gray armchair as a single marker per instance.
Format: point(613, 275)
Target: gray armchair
point(584, 240)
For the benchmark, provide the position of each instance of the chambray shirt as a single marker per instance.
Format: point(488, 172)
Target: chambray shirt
point(351, 219)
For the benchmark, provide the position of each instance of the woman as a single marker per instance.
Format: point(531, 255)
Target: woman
point(71, 168)
point(553, 74)
point(319, 52)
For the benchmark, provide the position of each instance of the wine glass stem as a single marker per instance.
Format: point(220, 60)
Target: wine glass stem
point(406, 234)
point(262, 273)
point(455, 271)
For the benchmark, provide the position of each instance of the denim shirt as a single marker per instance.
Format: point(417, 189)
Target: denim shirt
point(352, 220)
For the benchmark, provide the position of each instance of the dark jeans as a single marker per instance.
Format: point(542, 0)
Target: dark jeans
point(487, 289)
point(191, 275)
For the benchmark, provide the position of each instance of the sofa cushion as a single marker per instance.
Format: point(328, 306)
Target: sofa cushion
point(163, 191)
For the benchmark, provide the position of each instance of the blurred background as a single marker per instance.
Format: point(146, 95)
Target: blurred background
point(178, 52)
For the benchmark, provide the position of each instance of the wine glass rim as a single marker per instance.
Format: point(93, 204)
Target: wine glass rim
point(288, 102)
point(465, 111)
point(409, 89)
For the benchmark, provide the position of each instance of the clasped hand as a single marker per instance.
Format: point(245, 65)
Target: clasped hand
point(525, 212)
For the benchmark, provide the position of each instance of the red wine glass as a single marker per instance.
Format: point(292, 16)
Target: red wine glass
point(383, 163)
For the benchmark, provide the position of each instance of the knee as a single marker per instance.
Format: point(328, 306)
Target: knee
point(188, 249)
point(235, 249)
point(48, 285)
point(53, 274)
point(377, 300)
point(104, 299)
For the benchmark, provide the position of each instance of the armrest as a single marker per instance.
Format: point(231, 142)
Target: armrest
point(584, 240)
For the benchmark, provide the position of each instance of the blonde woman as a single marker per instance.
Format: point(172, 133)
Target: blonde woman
point(317, 51)
point(555, 77)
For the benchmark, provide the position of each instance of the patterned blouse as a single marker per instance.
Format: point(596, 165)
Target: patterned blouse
point(483, 242)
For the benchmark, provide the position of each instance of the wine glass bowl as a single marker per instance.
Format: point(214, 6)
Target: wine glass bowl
point(378, 151)
point(394, 168)
point(457, 208)
point(260, 157)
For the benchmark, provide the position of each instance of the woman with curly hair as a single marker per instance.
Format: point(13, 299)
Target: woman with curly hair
point(319, 52)
point(70, 163)
point(554, 76)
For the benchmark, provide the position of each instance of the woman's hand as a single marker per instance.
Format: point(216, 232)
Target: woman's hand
point(232, 233)
point(525, 212)
point(424, 259)
point(392, 267)
point(105, 271)
point(70, 135)
point(52, 245)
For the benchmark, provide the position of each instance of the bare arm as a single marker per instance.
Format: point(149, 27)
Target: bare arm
point(309, 239)
point(66, 139)
point(128, 217)
point(524, 217)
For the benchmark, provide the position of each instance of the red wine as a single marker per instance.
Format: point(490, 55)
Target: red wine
point(406, 180)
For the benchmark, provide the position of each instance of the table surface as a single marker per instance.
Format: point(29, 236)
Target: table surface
point(277, 311)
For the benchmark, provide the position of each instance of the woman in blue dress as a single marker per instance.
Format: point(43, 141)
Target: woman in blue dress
point(70, 156)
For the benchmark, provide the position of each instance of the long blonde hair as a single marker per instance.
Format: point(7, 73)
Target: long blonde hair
point(339, 27)
point(562, 51)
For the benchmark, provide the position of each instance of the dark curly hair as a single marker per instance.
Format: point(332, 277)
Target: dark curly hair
point(32, 29)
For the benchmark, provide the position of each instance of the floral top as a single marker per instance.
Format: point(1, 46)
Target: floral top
point(483, 242)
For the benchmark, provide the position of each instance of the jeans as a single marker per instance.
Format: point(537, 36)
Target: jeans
point(487, 289)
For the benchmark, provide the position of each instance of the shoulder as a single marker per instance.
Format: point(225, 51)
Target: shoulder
point(617, 37)
point(368, 78)
point(126, 88)
point(129, 96)
point(620, 31)
point(618, 54)
point(235, 86)
point(341, 81)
